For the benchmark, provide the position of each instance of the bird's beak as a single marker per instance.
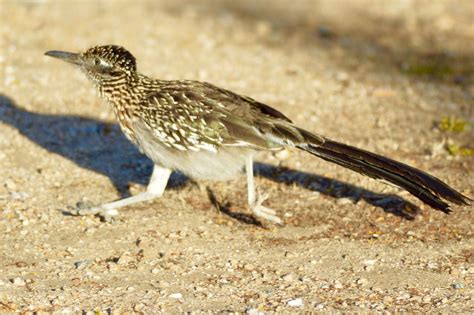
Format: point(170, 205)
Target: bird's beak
point(65, 56)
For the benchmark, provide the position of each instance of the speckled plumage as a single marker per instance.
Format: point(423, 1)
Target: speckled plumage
point(209, 132)
point(186, 125)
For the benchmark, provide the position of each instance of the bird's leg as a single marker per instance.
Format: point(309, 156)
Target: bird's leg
point(255, 202)
point(156, 187)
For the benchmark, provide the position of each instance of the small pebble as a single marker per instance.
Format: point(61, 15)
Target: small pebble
point(296, 302)
point(176, 296)
point(19, 195)
point(10, 184)
point(82, 264)
point(369, 262)
point(249, 267)
point(362, 281)
point(254, 311)
point(139, 307)
point(319, 306)
point(426, 299)
point(432, 265)
point(344, 201)
point(289, 277)
point(338, 285)
point(18, 281)
point(124, 259)
point(458, 286)
point(404, 296)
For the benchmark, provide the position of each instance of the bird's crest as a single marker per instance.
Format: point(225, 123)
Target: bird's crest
point(115, 55)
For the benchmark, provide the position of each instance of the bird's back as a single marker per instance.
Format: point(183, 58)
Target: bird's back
point(193, 115)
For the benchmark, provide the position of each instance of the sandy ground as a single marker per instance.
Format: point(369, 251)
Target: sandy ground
point(377, 74)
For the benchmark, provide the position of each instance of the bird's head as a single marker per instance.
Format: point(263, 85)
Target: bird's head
point(101, 64)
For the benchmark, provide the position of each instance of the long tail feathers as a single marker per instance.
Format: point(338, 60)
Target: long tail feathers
point(425, 187)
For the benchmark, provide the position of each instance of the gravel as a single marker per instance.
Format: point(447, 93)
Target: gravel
point(379, 75)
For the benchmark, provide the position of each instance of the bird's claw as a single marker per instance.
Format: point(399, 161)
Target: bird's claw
point(105, 213)
point(264, 212)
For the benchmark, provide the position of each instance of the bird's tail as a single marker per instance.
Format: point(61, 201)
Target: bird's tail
point(425, 187)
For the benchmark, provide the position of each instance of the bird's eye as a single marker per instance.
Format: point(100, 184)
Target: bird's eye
point(97, 61)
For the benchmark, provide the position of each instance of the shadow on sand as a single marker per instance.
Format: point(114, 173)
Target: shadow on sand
point(101, 147)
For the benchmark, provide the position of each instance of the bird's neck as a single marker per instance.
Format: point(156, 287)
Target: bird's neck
point(122, 93)
point(125, 95)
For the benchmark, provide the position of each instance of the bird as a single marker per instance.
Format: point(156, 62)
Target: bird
point(211, 133)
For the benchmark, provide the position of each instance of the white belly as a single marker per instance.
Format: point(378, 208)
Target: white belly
point(224, 164)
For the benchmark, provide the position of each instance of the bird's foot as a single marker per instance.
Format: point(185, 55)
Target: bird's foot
point(106, 213)
point(264, 212)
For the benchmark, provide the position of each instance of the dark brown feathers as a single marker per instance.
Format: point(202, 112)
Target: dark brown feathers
point(425, 187)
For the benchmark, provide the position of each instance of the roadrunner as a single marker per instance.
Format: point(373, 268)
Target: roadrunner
point(208, 132)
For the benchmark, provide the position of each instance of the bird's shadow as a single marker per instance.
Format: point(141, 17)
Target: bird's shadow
point(225, 209)
point(92, 144)
point(337, 189)
point(101, 147)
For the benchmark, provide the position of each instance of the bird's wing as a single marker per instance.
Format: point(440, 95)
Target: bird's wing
point(221, 117)
point(183, 117)
point(239, 105)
